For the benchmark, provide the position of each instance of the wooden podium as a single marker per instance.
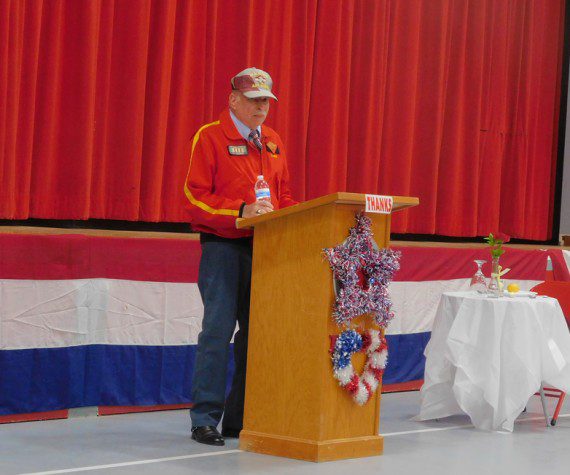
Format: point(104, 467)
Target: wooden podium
point(294, 407)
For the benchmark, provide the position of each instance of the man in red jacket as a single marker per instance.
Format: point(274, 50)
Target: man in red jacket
point(227, 157)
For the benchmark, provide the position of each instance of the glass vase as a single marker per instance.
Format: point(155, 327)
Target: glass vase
point(494, 284)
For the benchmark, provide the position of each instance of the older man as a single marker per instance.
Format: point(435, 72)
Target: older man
point(227, 157)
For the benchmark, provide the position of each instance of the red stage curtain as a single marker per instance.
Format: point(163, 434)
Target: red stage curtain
point(455, 102)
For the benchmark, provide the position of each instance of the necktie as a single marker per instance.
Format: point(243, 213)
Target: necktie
point(254, 137)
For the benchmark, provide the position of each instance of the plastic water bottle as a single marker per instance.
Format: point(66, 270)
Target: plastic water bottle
point(262, 189)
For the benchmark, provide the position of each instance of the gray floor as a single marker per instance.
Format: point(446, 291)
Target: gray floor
point(159, 443)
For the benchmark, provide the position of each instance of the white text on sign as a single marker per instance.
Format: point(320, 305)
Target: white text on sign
point(379, 204)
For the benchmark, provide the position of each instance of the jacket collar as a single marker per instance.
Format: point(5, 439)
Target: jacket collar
point(229, 127)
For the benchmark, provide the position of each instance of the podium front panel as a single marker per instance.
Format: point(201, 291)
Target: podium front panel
point(291, 391)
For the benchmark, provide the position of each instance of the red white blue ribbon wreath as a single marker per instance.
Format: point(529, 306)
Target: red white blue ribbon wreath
point(343, 346)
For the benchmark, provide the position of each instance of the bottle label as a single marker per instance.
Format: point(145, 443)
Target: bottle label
point(262, 194)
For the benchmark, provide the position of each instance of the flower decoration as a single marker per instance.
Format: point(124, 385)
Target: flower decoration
point(343, 346)
point(362, 273)
point(496, 242)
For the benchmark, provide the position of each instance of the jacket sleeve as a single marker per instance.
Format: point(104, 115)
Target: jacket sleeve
point(205, 207)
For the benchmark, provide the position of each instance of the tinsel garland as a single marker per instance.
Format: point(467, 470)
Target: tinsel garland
point(343, 346)
point(358, 259)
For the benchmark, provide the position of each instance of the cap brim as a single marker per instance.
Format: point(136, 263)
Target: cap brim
point(254, 94)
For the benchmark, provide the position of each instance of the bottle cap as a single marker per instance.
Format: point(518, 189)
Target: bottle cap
point(260, 177)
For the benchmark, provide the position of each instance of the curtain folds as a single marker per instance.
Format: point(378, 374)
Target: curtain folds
point(455, 102)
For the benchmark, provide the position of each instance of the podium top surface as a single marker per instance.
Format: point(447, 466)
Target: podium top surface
point(400, 202)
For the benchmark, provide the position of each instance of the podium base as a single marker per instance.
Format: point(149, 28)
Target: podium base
point(311, 450)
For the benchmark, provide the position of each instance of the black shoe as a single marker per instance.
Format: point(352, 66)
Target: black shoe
point(231, 433)
point(207, 435)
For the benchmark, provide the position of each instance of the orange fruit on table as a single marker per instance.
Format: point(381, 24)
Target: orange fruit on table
point(513, 288)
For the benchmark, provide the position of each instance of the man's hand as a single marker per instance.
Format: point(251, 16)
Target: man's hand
point(257, 208)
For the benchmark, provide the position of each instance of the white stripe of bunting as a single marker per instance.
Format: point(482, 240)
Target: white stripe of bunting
point(63, 313)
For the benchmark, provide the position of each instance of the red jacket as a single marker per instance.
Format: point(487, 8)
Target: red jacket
point(222, 173)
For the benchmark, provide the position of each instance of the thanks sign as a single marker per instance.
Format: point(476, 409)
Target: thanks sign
point(379, 204)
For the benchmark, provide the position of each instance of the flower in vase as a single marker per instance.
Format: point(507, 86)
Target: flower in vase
point(496, 242)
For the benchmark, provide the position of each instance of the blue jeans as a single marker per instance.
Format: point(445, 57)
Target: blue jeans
point(224, 281)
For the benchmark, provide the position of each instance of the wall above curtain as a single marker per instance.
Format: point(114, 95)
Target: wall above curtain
point(455, 102)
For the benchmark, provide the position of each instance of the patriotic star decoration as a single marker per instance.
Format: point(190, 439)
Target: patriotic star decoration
point(362, 273)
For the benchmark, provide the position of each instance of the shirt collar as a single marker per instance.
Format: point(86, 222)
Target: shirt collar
point(243, 129)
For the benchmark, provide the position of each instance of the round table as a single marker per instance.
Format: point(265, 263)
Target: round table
point(488, 356)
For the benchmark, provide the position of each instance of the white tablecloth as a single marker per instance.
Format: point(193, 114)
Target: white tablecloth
point(487, 357)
